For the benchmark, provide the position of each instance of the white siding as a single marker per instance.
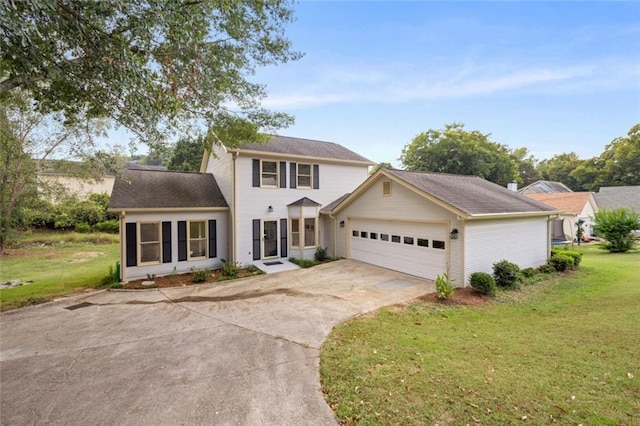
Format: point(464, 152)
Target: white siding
point(521, 241)
point(137, 272)
point(221, 166)
point(587, 214)
point(253, 203)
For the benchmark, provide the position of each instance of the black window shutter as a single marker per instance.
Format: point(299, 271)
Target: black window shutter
point(256, 239)
point(316, 176)
point(182, 240)
point(283, 238)
point(166, 242)
point(213, 248)
point(283, 174)
point(131, 244)
point(256, 173)
point(293, 180)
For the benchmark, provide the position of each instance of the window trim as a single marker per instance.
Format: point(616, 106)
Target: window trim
point(140, 243)
point(205, 239)
point(315, 232)
point(295, 230)
point(277, 173)
point(386, 183)
point(310, 175)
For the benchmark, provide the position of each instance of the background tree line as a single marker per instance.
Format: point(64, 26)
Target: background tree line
point(458, 151)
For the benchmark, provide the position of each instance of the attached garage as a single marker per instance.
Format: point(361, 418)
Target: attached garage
point(418, 249)
point(428, 224)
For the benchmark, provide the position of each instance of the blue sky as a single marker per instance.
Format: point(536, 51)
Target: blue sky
point(554, 77)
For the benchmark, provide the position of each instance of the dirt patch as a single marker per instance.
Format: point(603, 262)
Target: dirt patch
point(463, 296)
point(83, 256)
point(183, 280)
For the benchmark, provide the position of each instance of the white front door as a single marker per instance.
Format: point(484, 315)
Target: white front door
point(269, 239)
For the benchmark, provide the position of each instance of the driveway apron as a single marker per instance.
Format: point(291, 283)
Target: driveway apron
point(238, 352)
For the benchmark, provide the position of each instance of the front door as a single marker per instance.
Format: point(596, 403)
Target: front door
point(270, 239)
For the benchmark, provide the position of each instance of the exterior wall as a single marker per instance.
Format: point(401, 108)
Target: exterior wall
point(587, 214)
point(138, 272)
point(523, 241)
point(80, 187)
point(221, 166)
point(253, 203)
point(402, 205)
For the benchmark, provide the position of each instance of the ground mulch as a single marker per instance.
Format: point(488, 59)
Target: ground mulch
point(463, 296)
point(182, 280)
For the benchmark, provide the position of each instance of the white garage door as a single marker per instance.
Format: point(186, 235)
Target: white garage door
point(413, 248)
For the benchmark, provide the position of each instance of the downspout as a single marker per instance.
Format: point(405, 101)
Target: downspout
point(123, 263)
point(335, 234)
point(301, 235)
point(234, 208)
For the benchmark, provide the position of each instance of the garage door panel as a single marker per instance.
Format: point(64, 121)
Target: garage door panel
point(426, 262)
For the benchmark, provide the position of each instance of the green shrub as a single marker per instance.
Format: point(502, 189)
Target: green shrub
point(303, 263)
point(86, 212)
point(561, 262)
point(483, 283)
point(576, 255)
point(528, 272)
point(616, 226)
point(62, 221)
point(444, 287)
point(546, 269)
point(229, 269)
point(83, 228)
point(321, 254)
point(201, 275)
point(108, 226)
point(506, 274)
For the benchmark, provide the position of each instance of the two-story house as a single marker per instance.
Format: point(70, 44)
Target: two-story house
point(276, 190)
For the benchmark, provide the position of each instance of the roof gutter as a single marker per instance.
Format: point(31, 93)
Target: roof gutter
point(485, 216)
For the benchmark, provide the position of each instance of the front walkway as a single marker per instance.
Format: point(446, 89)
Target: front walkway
point(275, 265)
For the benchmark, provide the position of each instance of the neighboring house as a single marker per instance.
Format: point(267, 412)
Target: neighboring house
point(275, 191)
point(575, 206)
point(58, 178)
point(426, 224)
point(544, 187)
point(169, 222)
point(612, 197)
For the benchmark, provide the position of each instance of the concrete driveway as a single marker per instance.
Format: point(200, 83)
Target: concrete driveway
point(242, 352)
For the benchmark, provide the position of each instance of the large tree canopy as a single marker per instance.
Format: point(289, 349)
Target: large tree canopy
point(559, 168)
point(621, 160)
point(151, 67)
point(455, 150)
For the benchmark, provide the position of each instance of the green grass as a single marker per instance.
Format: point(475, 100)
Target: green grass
point(58, 264)
point(564, 350)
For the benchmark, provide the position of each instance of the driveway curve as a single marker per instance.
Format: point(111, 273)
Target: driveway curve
point(239, 352)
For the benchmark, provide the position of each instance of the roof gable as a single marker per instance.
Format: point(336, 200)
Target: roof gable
point(544, 187)
point(619, 196)
point(285, 145)
point(570, 202)
point(468, 196)
point(304, 201)
point(153, 189)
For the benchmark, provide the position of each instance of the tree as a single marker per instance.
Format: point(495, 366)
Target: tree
point(616, 226)
point(187, 154)
point(151, 67)
point(455, 150)
point(559, 168)
point(620, 160)
point(527, 172)
point(383, 165)
point(27, 140)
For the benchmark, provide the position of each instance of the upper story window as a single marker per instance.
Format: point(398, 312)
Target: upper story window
point(269, 176)
point(386, 189)
point(304, 175)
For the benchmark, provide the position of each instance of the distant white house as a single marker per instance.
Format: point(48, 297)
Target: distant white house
point(575, 206)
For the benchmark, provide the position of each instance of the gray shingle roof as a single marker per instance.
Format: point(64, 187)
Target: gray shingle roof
point(544, 187)
point(618, 196)
point(304, 201)
point(306, 147)
point(153, 189)
point(470, 194)
point(332, 205)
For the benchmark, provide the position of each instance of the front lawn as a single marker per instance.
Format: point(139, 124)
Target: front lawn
point(563, 350)
point(58, 264)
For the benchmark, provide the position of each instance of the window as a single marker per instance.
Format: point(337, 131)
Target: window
point(386, 189)
point(373, 236)
point(309, 232)
point(363, 234)
point(395, 238)
point(197, 240)
point(354, 233)
point(384, 237)
point(408, 240)
point(269, 174)
point(438, 244)
point(149, 242)
point(295, 232)
point(304, 175)
point(423, 243)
